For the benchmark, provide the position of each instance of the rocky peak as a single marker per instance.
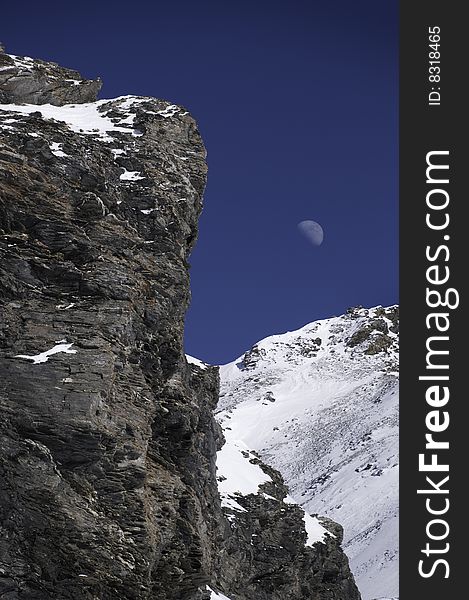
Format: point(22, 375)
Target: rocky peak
point(25, 80)
point(108, 442)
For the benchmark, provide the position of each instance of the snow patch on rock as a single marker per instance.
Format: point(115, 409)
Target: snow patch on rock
point(190, 359)
point(61, 346)
point(216, 595)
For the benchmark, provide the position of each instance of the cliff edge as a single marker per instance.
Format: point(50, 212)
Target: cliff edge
point(108, 442)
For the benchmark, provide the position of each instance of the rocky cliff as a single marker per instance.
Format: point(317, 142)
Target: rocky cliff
point(108, 442)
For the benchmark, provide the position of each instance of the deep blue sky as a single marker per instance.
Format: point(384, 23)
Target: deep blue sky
point(297, 104)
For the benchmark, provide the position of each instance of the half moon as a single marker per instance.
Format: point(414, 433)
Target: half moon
point(312, 231)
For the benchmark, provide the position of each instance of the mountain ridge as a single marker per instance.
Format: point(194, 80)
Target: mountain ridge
point(320, 404)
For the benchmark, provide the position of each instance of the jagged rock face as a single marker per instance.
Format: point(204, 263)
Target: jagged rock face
point(29, 81)
point(108, 442)
point(108, 445)
point(269, 555)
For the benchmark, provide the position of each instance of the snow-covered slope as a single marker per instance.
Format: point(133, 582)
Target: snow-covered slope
point(92, 118)
point(321, 405)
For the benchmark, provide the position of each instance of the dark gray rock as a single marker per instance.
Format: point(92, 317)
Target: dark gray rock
point(28, 81)
point(108, 442)
point(376, 332)
point(265, 556)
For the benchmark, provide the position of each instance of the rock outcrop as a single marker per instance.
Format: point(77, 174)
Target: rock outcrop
point(29, 81)
point(108, 442)
point(275, 551)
